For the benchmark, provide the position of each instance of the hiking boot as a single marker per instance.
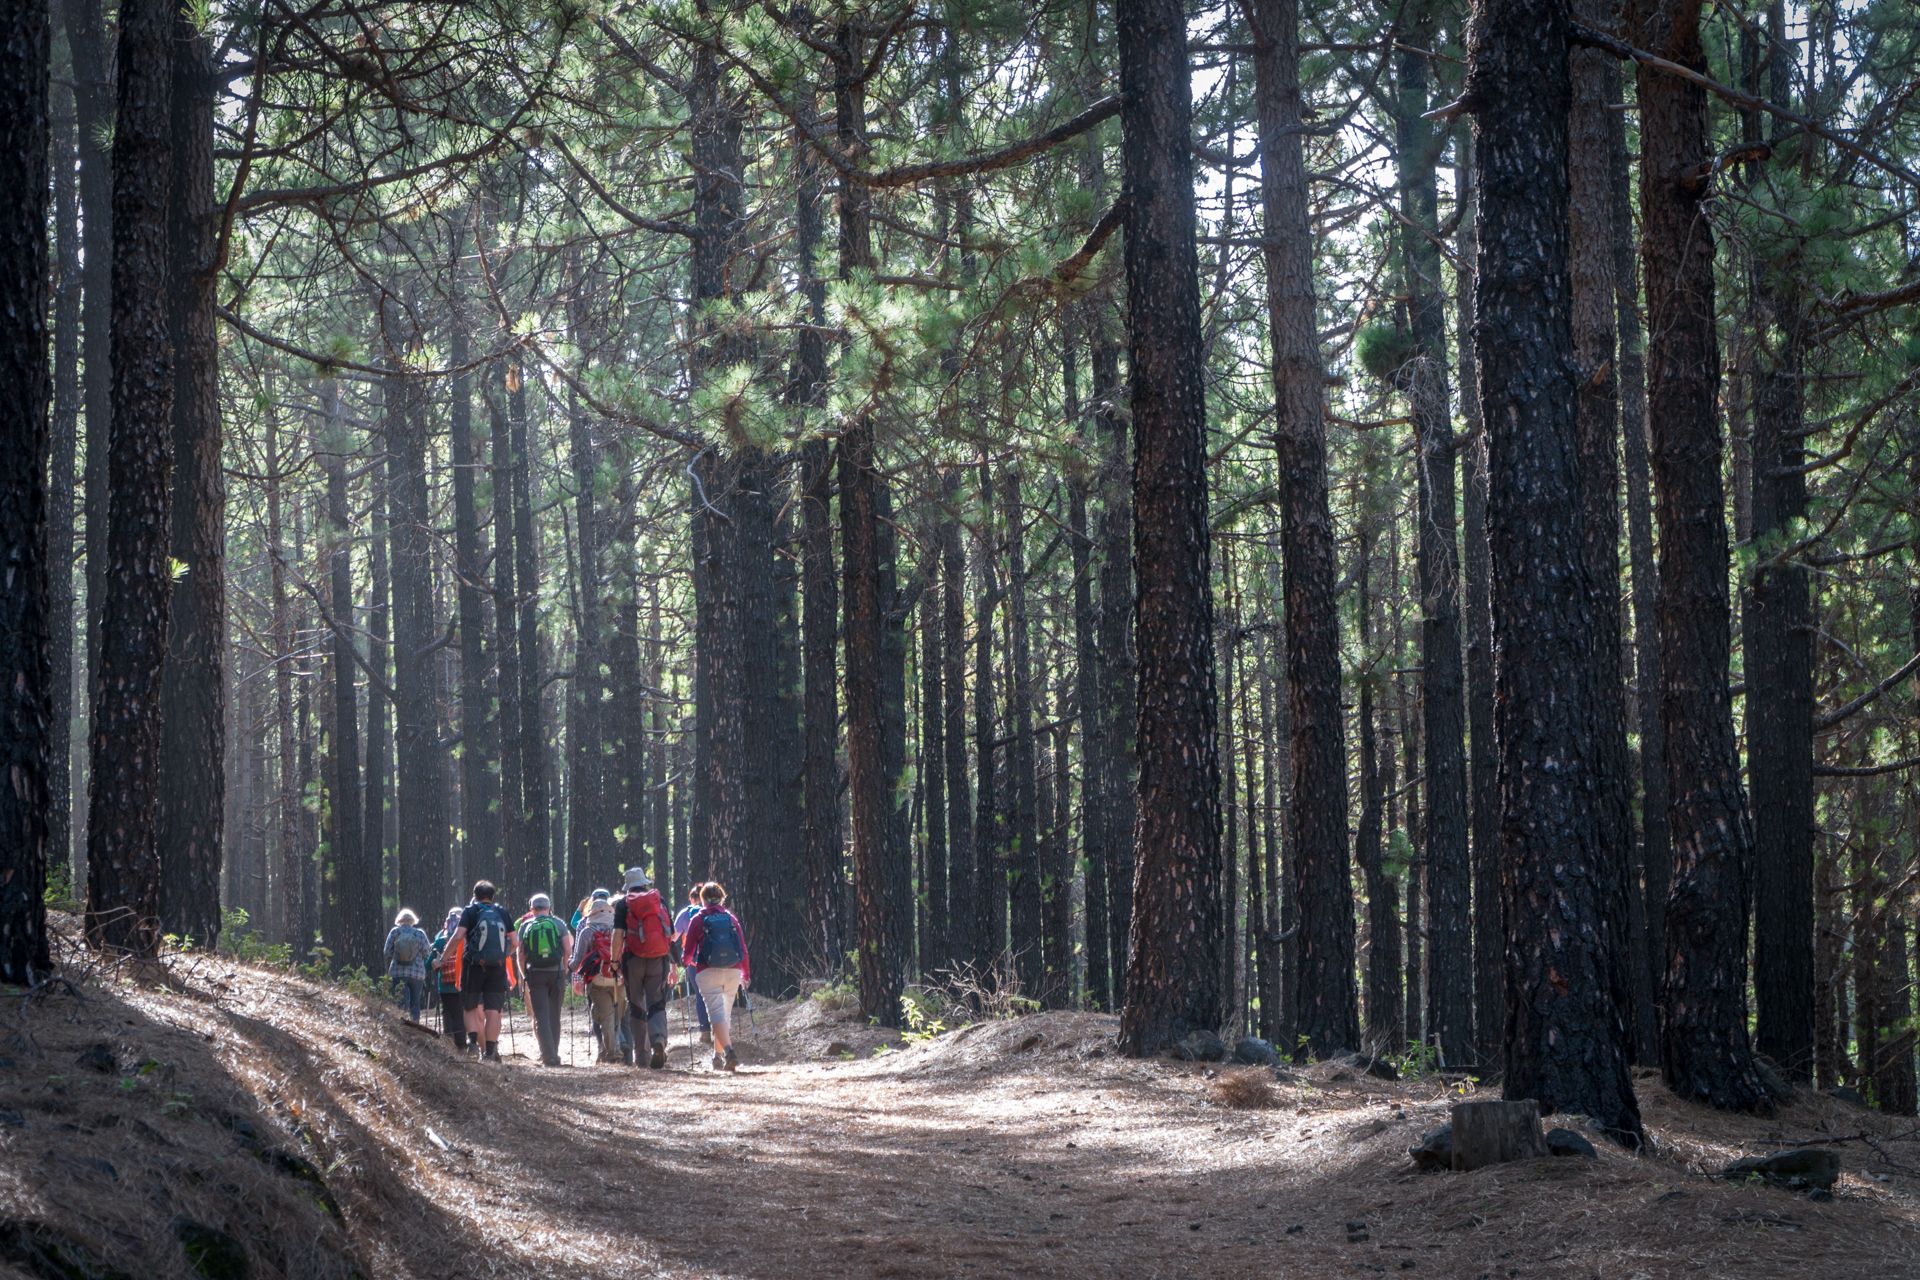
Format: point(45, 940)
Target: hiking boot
point(733, 1059)
point(492, 1054)
point(659, 1059)
point(719, 1062)
point(472, 1048)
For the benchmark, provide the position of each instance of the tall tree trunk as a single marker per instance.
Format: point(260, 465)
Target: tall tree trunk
point(1384, 1031)
point(123, 864)
point(480, 754)
point(517, 839)
point(1090, 695)
point(285, 898)
point(1323, 871)
point(536, 774)
point(1114, 544)
point(85, 24)
point(63, 153)
point(1568, 1040)
point(961, 833)
point(358, 887)
point(589, 837)
point(1442, 694)
point(882, 906)
point(1483, 767)
point(26, 667)
point(1596, 85)
point(1655, 851)
point(374, 826)
point(1173, 963)
point(1023, 860)
point(420, 758)
point(1778, 637)
point(989, 881)
point(1704, 1053)
point(193, 690)
point(933, 774)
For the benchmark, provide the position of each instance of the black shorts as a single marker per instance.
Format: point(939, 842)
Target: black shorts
point(484, 983)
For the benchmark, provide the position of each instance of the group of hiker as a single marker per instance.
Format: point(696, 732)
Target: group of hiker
point(619, 951)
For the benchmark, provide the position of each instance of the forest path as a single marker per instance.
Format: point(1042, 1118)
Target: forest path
point(1027, 1148)
point(1007, 1148)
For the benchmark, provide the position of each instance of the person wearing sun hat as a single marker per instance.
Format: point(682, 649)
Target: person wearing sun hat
point(641, 954)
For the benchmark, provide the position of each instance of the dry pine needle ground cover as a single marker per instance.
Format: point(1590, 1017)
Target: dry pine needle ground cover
point(1002, 1149)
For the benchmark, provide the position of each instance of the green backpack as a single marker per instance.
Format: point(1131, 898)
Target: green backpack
point(541, 937)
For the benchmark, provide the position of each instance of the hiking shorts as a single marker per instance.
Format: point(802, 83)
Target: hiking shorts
point(484, 984)
point(718, 988)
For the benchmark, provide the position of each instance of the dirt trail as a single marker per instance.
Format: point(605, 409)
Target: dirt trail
point(1018, 1148)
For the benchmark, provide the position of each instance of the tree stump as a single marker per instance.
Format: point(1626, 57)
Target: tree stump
point(1487, 1133)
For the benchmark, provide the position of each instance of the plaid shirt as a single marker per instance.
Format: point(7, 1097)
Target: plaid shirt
point(418, 968)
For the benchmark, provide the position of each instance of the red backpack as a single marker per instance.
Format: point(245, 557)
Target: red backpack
point(646, 921)
point(594, 967)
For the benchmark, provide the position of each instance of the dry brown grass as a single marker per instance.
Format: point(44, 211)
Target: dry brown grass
point(1244, 1089)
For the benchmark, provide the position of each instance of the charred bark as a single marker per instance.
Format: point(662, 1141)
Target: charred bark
point(1568, 1039)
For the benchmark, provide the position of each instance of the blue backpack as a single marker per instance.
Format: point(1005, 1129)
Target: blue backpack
point(488, 944)
point(720, 942)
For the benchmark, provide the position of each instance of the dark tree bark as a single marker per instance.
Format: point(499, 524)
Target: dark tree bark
point(123, 865)
point(67, 276)
point(961, 835)
point(1323, 884)
point(518, 842)
point(1704, 1053)
point(1596, 84)
point(480, 754)
point(589, 833)
point(357, 888)
point(284, 899)
point(424, 868)
point(1384, 1029)
point(1483, 768)
point(1655, 851)
point(1023, 847)
point(1114, 534)
point(535, 767)
point(933, 776)
point(26, 667)
point(1778, 635)
point(87, 34)
point(883, 904)
point(1442, 690)
point(1567, 1040)
point(1089, 694)
point(1173, 963)
point(989, 887)
point(193, 690)
point(374, 826)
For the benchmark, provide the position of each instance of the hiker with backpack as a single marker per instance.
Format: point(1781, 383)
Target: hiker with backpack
point(546, 948)
point(716, 952)
point(487, 941)
point(594, 973)
point(680, 923)
point(641, 954)
point(445, 965)
point(406, 956)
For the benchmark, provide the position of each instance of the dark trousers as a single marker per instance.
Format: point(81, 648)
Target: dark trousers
point(543, 997)
point(454, 1017)
point(646, 1001)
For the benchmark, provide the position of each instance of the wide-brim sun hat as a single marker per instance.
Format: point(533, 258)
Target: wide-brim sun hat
point(637, 878)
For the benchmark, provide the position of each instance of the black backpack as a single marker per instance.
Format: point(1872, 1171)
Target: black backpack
point(488, 938)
